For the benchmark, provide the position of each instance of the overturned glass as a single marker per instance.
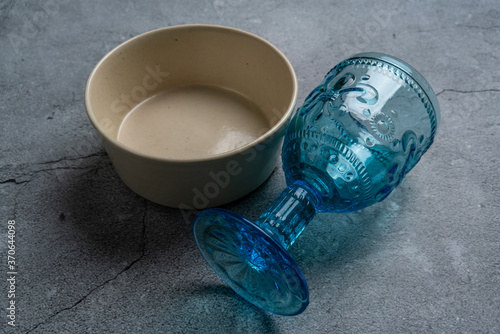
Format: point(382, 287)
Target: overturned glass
point(351, 143)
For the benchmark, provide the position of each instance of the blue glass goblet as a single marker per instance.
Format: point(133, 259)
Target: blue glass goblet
point(351, 143)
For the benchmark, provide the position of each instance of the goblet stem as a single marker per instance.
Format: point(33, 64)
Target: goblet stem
point(252, 258)
point(289, 214)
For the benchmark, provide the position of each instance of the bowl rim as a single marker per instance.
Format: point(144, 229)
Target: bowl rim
point(262, 138)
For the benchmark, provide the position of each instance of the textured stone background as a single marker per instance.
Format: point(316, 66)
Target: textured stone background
point(93, 257)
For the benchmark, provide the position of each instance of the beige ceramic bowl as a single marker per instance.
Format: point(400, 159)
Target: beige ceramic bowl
point(193, 56)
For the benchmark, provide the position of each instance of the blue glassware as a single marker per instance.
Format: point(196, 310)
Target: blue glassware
point(351, 143)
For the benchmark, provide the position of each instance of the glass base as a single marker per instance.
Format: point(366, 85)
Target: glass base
point(251, 262)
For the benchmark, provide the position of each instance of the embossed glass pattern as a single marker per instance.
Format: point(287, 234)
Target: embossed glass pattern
point(351, 143)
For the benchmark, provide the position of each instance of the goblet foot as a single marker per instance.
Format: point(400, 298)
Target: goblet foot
point(251, 262)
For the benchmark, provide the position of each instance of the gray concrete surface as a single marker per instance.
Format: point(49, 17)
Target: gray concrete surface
point(93, 257)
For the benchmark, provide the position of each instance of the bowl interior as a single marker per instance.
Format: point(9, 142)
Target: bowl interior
point(190, 56)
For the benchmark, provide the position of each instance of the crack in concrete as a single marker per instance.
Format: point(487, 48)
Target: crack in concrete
point(468, 91)
point(100, 286)
point(97, 154)
point(478, 27)
point(28, 176)
point(13, 181)
point(25, 176)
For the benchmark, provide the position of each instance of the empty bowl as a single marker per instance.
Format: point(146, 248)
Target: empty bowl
point(192, 116)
